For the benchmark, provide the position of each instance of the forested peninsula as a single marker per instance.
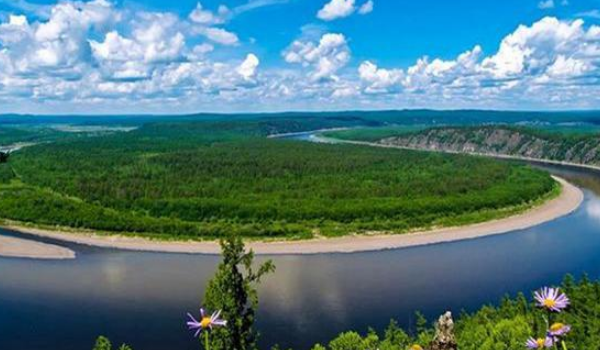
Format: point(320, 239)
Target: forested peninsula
point(204, 179)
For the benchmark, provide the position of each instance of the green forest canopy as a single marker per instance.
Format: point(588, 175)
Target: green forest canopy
point(204, 179)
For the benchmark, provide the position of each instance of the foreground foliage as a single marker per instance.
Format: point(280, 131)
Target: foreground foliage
point(503, 327)
point(506, 326)
point(102, 343)
point(233, 291)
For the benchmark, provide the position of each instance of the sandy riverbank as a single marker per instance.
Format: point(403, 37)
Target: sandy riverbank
point(569, 200)
point(23, 248)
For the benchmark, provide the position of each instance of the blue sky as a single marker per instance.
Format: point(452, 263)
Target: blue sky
point(122, 56)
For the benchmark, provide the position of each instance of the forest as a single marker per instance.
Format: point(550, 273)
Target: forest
point(203, 179)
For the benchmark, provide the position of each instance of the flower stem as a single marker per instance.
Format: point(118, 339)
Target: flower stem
point(564, 345)
point(206, 342)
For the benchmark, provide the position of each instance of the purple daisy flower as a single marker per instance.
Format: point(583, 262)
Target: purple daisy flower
point(551, 299)
point(540, 343)
point(559, 330)
point(205, 322)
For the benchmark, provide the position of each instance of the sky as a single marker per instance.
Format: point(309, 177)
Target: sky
point(185, 56)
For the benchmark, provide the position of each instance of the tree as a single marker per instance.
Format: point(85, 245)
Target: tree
point(233, 290)
point(102, 343)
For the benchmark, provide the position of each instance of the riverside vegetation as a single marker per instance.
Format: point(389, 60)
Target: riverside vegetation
point(202, 180)
point(546, 320)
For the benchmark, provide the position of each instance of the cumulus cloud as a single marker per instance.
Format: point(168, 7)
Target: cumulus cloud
point(155, 39)
point(560, 58)
point(248, 68)
point(87, 52)
point(325, 58)
point(57, 46)
point(531, 50)
point(379, 80)
point(204, 22)
point(336, 9)
point(207, 17)
point(343, 8)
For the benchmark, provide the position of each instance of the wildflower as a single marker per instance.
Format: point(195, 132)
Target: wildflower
point(559, 330)
point(416, 347)
point(205, 322)
point(540, 343)
point(551, 299)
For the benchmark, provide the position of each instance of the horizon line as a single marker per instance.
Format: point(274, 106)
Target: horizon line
point(289, 112)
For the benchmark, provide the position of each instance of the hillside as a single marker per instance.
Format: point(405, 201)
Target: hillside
point(502, 140)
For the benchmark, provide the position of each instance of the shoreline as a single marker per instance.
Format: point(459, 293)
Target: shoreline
point(12, 247)
point(565, 203)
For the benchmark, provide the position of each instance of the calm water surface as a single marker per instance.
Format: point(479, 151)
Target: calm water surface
point(142, 298)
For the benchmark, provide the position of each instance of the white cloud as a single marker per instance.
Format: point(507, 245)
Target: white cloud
point(57, 46)
point(366, 8)
point(336, 9)
point(204, 22)
point(218, 35)
point(379, 80)
point(546, 4)
point(85, 54)
point(325, 58)
point(88, 52)
point(550, 4)
point(552, 62)
point(530, 50)
point(202, 16)
point(155, 39)
point(248, 68)
point(568, 67)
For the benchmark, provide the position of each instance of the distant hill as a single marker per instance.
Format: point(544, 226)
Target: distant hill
point(364, 118)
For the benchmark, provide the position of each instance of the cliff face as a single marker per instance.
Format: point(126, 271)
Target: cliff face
point(504, 141)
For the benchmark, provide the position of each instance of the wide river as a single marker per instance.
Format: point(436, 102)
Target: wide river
point(142, 298)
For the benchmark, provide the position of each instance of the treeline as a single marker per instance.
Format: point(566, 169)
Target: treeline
point(203, 179)
point(14, 134)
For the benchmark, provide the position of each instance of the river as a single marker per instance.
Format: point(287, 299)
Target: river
point(141, 298)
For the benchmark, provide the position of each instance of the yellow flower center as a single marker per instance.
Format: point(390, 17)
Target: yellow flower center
point(416, 347)
point(549, 303)
point(205, 322)
point(541, 342)
point(556, 327)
